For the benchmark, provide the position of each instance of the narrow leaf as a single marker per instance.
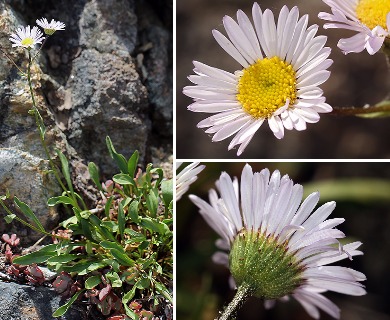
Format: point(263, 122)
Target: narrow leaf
point(107, 207)
point(65, 170)
point(123, 179)
point(167, 191)
point(119, 159)
point(9, 218)
point(132, 163)
point(61, 199)
point(133, 211)
point(122, 258)
point(34, 257)
point(63, 309)
point(94, 173)
point(64, 258)
point(163, 290)
point(160, 173)
point(92, 282)
point(28, 213)
point(152, 203)
point(121, 220)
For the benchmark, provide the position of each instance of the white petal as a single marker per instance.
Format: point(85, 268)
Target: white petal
point(229, 48)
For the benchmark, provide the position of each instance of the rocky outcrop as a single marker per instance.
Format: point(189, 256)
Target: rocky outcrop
point(108, 73)
point(21, 302)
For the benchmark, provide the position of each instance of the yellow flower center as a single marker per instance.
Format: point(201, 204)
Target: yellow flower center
point(373, 13)
point(28, 42)
point(265, 86)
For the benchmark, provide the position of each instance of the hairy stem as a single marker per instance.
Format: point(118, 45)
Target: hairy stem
point(352, 111)
point(40, 125)
point(242, 294)
point(30, 225)
point(12, 61)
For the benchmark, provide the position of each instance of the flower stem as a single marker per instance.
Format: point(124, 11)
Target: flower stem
point(12, 61)
point(42, 129)
point(39, 122)
point(352, 111)
point(242, 294)
point(28, 224)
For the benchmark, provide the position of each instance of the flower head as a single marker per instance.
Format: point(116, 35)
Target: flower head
point(50, 28)
point(278, 247)
point(26, 37)
point(283, 65)
point(186, 177)
point(370, 18)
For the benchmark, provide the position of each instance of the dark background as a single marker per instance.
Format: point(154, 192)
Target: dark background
point(357, 79)
point(202, 287)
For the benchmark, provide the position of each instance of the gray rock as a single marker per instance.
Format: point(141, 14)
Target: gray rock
point(109, 26)
point(107, 99)
point(21, 302)
point(26, 177)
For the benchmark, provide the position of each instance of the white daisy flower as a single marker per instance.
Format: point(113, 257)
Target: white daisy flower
point(278, 247)
point(186, 177)
point(26, 37)
point(50, 28)
point(370, 18)
point(282, 64)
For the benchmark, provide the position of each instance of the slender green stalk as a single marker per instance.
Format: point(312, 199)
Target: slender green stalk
point(12, 61)
point(40, 125)
point(30, 225)
point(242, 294)
point(352, 111)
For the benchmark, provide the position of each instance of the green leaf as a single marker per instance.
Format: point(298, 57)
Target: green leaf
point(121, 220)
point(39, 256)
point(64, 258)
point(114, 279)
point(65, 170)
point(102, 230)
point(132, 163)
point(130, 312)
point(67, 222)
point(87, 232)
point(119, 159)
point(28, 213)
point(61, 199)
point(94, 173)
point(111, 226)
point(160, 173)
point(9, 218)
point(167, 191)
point(92, 282)
point(123, 179)
point(122, 258)
point(63, 309)
point(83, 267)
point(134, 236)
point(143, 245)
point(111, 245)
point(143, 283)
point(107, 207)
point(129, 295)
point(133, 211)
point(152, 203)
point(155, 226)
point(163, 290)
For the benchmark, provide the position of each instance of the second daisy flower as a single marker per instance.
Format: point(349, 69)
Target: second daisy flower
point(283, 65)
